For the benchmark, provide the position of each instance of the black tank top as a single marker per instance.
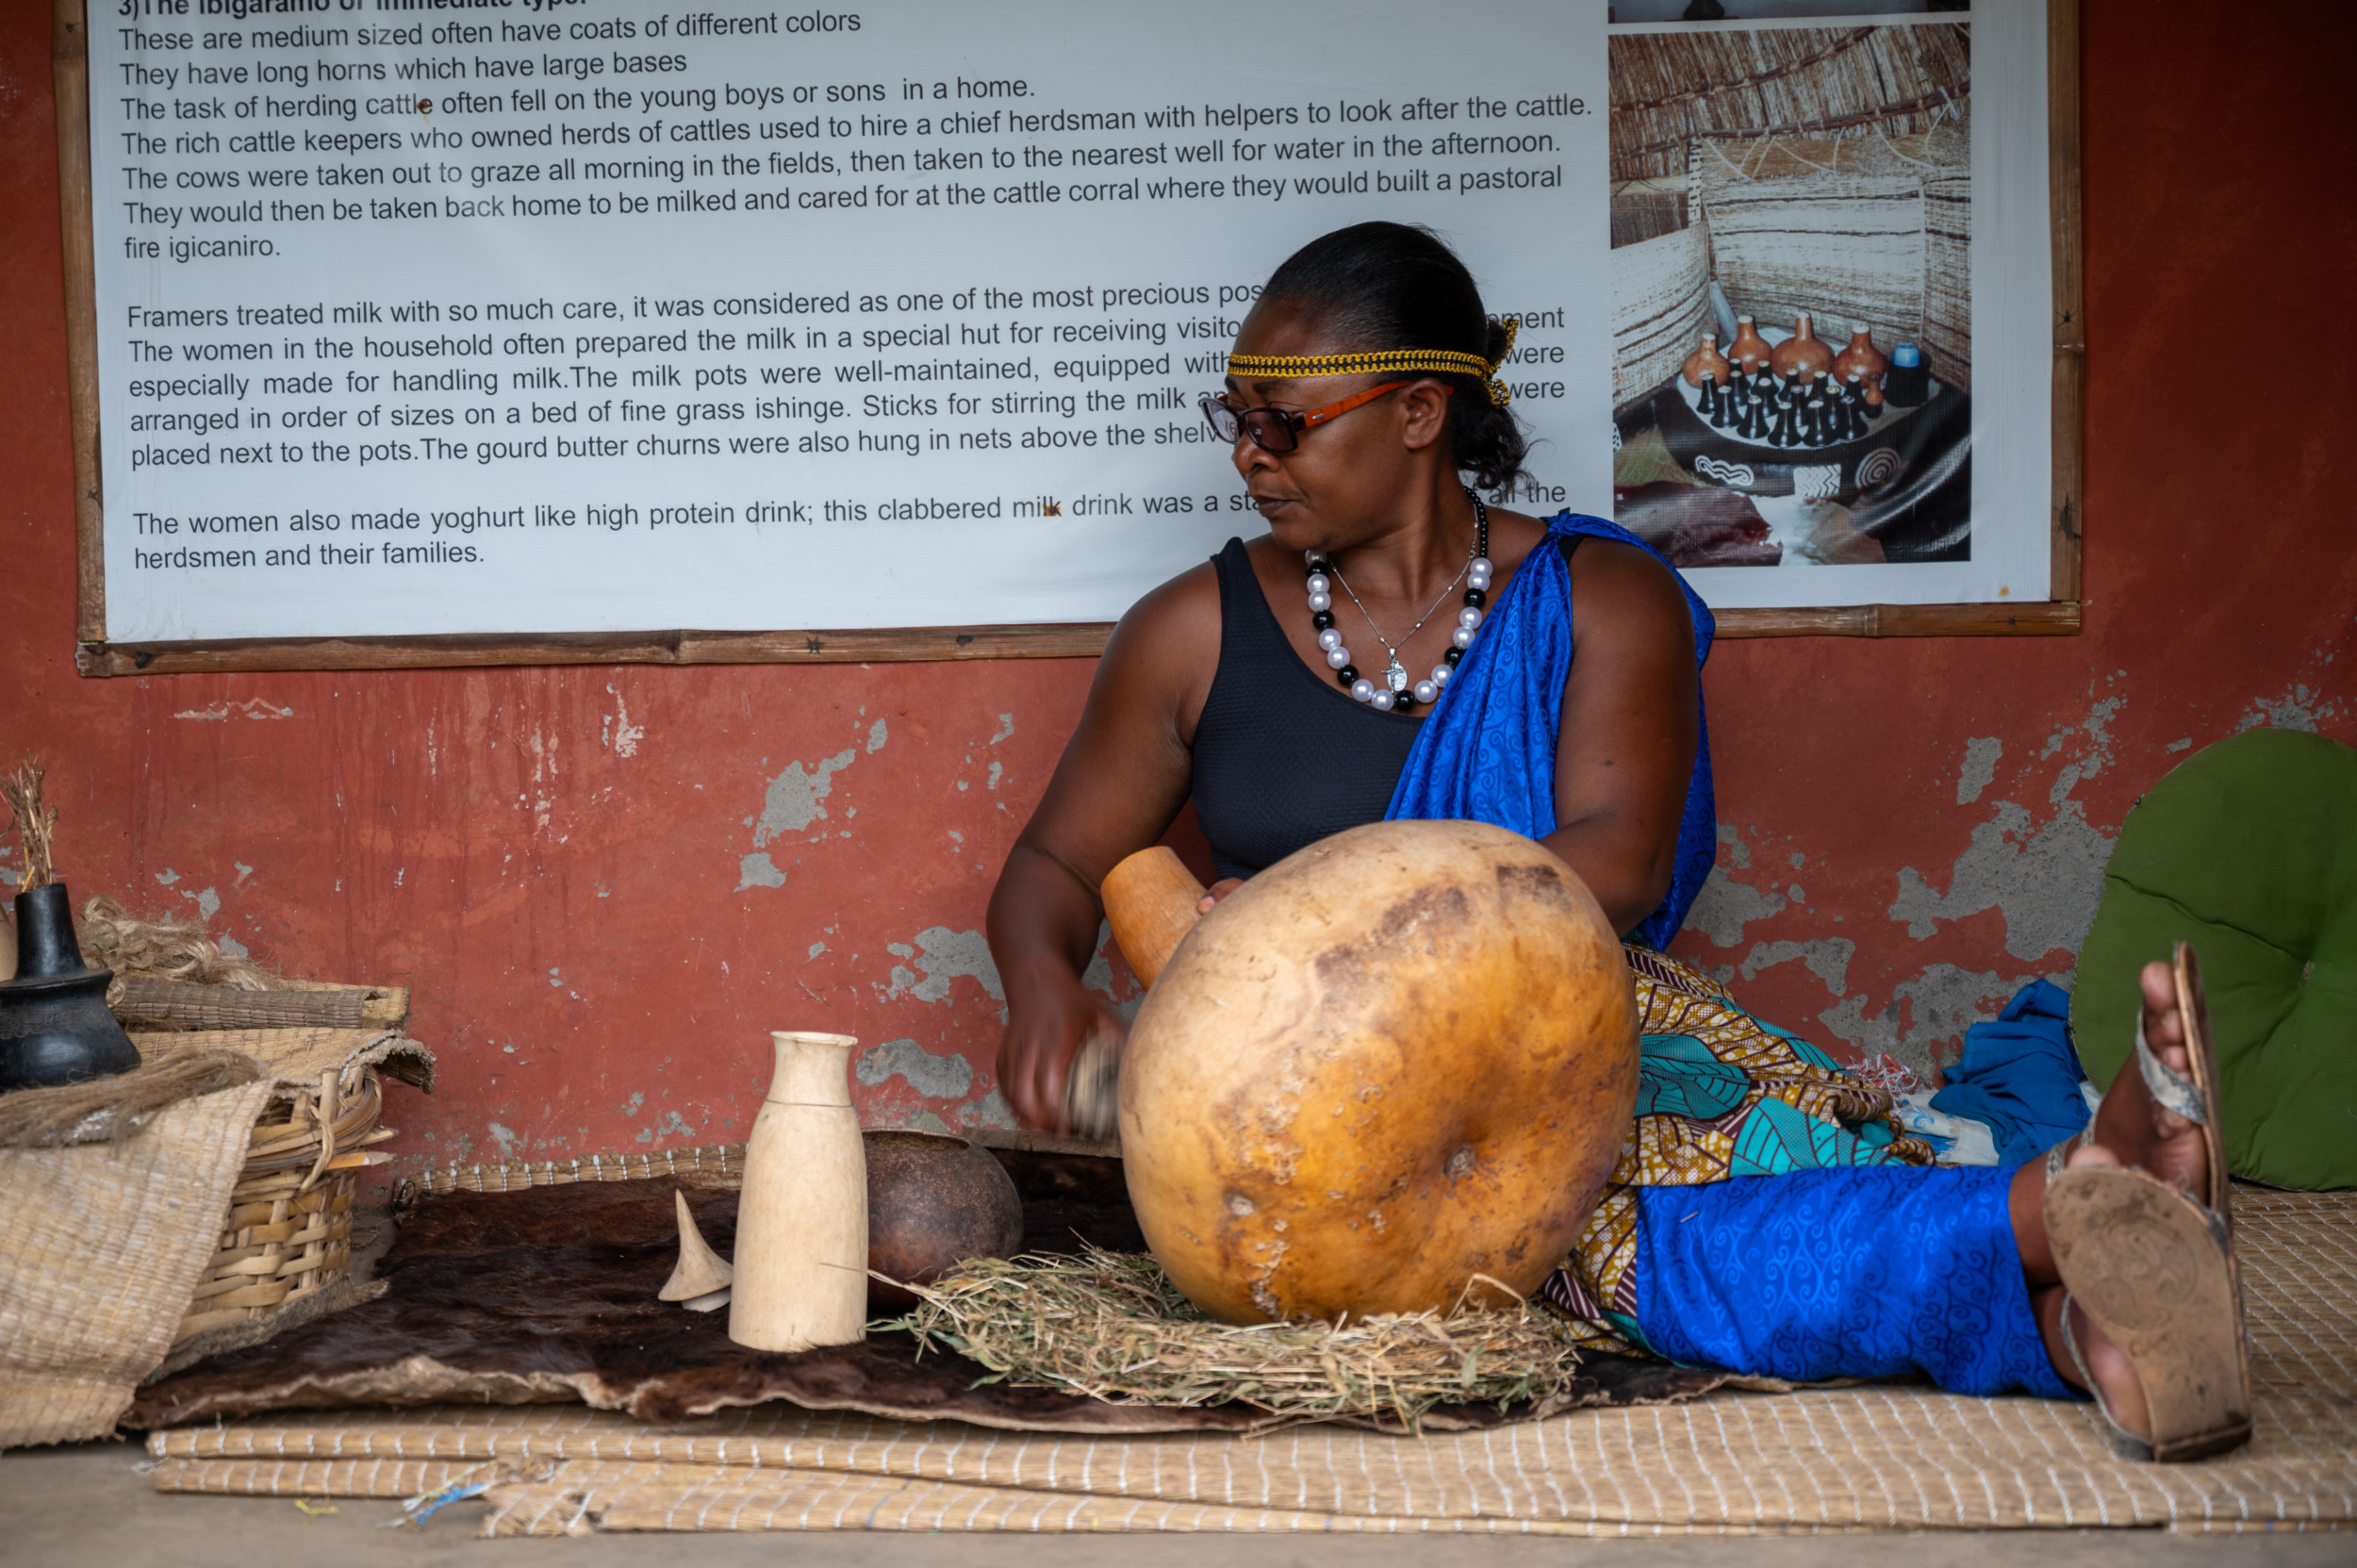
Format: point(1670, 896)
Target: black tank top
point(1282, 757)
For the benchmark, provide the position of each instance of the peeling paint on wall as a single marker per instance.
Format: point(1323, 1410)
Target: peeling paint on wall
point(2046, 880)
point(1722, 906)
point(617, 731)
point(1980, 767)
point(935, 1076)
point(2299, 708)
point(1941, 1004)
point(944, 955)
point(791, 803)
point(992, 1110)
point(793, 799)
point(1827, 958)
point(220, 713)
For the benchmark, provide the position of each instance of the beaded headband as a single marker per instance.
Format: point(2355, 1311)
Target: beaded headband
point(1431, 361)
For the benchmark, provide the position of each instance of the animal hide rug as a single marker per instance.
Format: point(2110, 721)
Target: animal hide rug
point(548, 1296)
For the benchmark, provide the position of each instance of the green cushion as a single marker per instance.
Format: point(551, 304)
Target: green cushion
point(2247, 850)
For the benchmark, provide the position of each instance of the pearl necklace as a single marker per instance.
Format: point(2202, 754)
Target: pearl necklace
point(1397, 694)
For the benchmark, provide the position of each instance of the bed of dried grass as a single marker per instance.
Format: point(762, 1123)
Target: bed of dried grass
point(1112, 1325)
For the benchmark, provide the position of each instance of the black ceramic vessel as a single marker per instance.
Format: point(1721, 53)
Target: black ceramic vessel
point(54, 1026)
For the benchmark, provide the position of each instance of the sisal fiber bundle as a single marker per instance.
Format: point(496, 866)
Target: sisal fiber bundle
point(113, 938)
point(108, 1110)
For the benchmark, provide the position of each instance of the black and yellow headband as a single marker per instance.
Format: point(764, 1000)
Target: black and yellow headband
point(1423, 361)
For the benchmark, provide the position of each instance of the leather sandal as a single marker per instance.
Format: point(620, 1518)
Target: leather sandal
point(2155, 1270)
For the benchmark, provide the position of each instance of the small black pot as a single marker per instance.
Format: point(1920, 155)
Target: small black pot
point(55, 1026)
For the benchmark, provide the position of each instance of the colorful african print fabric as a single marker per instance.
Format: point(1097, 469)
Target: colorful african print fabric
point(1720, 1094)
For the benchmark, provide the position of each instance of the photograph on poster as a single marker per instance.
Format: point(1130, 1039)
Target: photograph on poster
point(1792, 300)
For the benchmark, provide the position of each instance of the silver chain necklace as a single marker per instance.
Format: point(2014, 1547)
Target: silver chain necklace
point(1395, 676)
point(1399, 693)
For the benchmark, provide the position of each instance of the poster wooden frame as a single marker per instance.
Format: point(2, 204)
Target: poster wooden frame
point(96, 655)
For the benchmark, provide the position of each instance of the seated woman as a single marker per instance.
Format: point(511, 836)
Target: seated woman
point(1394, 647)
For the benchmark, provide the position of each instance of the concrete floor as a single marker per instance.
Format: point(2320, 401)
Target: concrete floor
point(88, 1505)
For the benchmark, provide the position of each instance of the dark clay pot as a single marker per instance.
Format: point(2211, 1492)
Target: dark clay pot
point(54, 1026)
point(934, 1202)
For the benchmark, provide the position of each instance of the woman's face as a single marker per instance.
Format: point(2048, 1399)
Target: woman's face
point(1344, 481)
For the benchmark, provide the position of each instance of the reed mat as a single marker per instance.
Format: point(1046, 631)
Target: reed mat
point(1873, 1458)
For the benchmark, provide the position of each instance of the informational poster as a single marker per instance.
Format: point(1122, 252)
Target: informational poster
point(485, 316)
point(1829, 297)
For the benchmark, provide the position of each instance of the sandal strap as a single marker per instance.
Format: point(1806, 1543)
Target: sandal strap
point(2058, 1156)
point(2171, 1090)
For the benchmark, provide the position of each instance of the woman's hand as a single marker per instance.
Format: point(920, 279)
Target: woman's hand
point(1217, 891)
point(1044, 1033)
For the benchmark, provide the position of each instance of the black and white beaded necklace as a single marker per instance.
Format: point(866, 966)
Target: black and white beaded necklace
point(1397, 693)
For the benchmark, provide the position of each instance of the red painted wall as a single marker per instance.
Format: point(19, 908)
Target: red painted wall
point(556, 859)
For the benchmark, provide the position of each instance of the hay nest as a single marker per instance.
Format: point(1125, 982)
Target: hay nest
point(1112, 1325)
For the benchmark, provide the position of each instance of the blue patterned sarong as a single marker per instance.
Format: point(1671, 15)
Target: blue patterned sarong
point(1874, 1273)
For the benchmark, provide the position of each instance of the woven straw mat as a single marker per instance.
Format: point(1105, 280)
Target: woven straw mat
point(100, 1246)
point(1880, 1456)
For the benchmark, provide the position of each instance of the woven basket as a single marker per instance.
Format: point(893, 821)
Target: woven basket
point(286, 1234)
point(288, 1231)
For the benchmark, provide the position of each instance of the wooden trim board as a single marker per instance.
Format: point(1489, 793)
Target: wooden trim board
point(68, 69)
point(2070, 343)
point(2059, 615)
point(1076, 640)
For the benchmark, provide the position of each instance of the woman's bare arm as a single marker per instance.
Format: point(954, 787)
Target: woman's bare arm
point(1631, 723)
point(1123, 777)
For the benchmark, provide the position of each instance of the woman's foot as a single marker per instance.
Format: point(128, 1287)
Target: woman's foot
point(2130, 1129)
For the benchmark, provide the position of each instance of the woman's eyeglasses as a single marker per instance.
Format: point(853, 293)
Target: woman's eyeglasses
point(1278, 429)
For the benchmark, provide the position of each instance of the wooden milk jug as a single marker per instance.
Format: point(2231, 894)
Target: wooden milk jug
point(801, 1220)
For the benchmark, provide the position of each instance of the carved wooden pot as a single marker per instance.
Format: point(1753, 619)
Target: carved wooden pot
point(932, 1203)
point(1391, 1065)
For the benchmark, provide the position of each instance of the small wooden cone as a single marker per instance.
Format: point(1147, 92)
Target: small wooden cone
point(1149, 902)
point(701, 1271)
